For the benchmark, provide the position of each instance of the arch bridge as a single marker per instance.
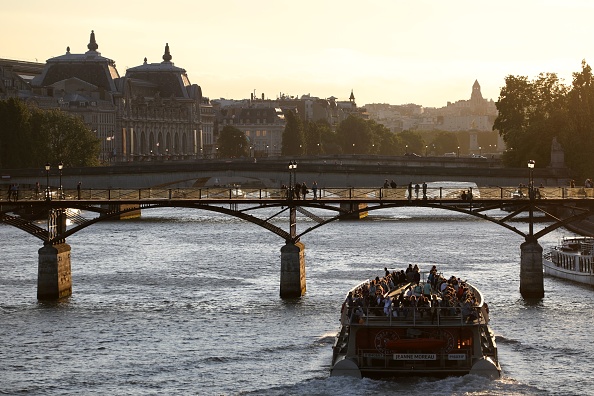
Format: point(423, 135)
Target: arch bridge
point(69, 211)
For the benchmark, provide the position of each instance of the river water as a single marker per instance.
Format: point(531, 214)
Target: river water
point(185, 301)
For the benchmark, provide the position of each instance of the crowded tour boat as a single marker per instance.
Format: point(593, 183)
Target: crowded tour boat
point(571, 259)
point(406, 324)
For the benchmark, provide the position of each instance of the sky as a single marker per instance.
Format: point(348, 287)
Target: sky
point(386, 51)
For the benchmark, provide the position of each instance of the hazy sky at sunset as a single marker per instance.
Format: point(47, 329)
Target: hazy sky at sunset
point(389, 51)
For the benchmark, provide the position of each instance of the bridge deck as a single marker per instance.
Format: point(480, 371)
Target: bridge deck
point(239, 195)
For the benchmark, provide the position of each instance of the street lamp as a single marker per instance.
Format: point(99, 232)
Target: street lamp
point(531, 179)
point(47, 189)
point(458, 151)
point(480, 150)
point(406, 149)
point(60, 167)
point(353, 148)
point(292, 169)
point(426, 147)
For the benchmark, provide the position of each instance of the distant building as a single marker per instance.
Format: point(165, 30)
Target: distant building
point(153, 112)
point(263, 120)
point(476, 113)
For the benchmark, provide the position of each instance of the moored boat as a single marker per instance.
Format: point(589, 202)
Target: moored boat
point(435, 327)
point(572, 259)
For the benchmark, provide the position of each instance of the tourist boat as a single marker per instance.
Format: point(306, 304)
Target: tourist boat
point(571, 259)
point(392, 340)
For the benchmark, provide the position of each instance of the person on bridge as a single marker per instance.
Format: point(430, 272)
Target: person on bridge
point(304, 189)
point(417, 188)
point(297, 190)
point(409, 191)
point(78, 190)
point(314, 188)
point(424, 190)
point(386, 184)
point(393, 184)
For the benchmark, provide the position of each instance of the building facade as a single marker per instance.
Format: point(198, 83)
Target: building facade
point(151, 113)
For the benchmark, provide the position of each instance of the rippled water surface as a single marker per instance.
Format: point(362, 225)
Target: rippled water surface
point(187, 302)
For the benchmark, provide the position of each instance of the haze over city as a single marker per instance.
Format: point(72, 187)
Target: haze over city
point(423, 52)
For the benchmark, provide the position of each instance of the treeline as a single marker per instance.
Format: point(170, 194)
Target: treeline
point(533, 112)
point(355, 135)
point(31, 137)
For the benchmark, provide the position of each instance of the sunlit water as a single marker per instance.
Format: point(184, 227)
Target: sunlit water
point(187, 302)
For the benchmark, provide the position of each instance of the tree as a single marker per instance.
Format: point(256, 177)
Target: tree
point(355, 135)
point(293, 135)
point(578, 137)
point(385, 141)
point(531, 113)
point(232, 142)
point(413, 142)
point(15, 135)
point(445, 142)
point(32, 137)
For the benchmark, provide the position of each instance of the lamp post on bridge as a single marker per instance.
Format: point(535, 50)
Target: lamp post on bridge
point(60, 191)
point(292, 180)
point(47, 188)
point(531, 197)
point(531, 179)
point(458, 152)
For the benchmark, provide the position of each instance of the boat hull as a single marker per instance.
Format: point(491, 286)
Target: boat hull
point(551, 269)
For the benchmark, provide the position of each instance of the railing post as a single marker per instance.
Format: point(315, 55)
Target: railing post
point(440, 193)
point(140, 193)
point(109, 194)
point(169, 193)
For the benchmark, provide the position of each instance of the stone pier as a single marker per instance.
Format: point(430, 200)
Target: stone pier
point(531, 270)
point(54, 277)
point(292, 278)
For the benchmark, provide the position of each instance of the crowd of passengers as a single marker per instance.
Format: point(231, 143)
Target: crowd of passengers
point(436, 296)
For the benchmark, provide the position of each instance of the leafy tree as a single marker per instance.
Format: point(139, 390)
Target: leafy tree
point(293, 135)
point(531, 113)
point(15, 135)
point(32, 137)
point(355, 135)
point(233, 142)
point(386, 142)
point(413, 140)
point(445, 142)
point(578, 137)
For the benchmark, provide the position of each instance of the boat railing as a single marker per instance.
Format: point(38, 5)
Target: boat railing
point(417, 316)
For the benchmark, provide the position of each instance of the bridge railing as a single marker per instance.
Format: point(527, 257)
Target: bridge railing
point(354, 193)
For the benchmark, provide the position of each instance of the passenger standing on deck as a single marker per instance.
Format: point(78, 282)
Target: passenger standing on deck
point(424, 190)
point(314, 188)
point(409, 191)
point(393, 184)
point(417, 188)
point(386, 184)
point(304, 190)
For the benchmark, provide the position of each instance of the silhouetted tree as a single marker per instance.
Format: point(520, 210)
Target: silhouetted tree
point(232, 142)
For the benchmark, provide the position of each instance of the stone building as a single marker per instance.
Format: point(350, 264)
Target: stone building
point(151, 113)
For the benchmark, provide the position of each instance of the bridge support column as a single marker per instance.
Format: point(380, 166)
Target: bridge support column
point(292, 278)
point(54, 277)
point(531, 276)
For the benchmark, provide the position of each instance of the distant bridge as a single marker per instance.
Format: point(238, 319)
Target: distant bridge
point(340, 203)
